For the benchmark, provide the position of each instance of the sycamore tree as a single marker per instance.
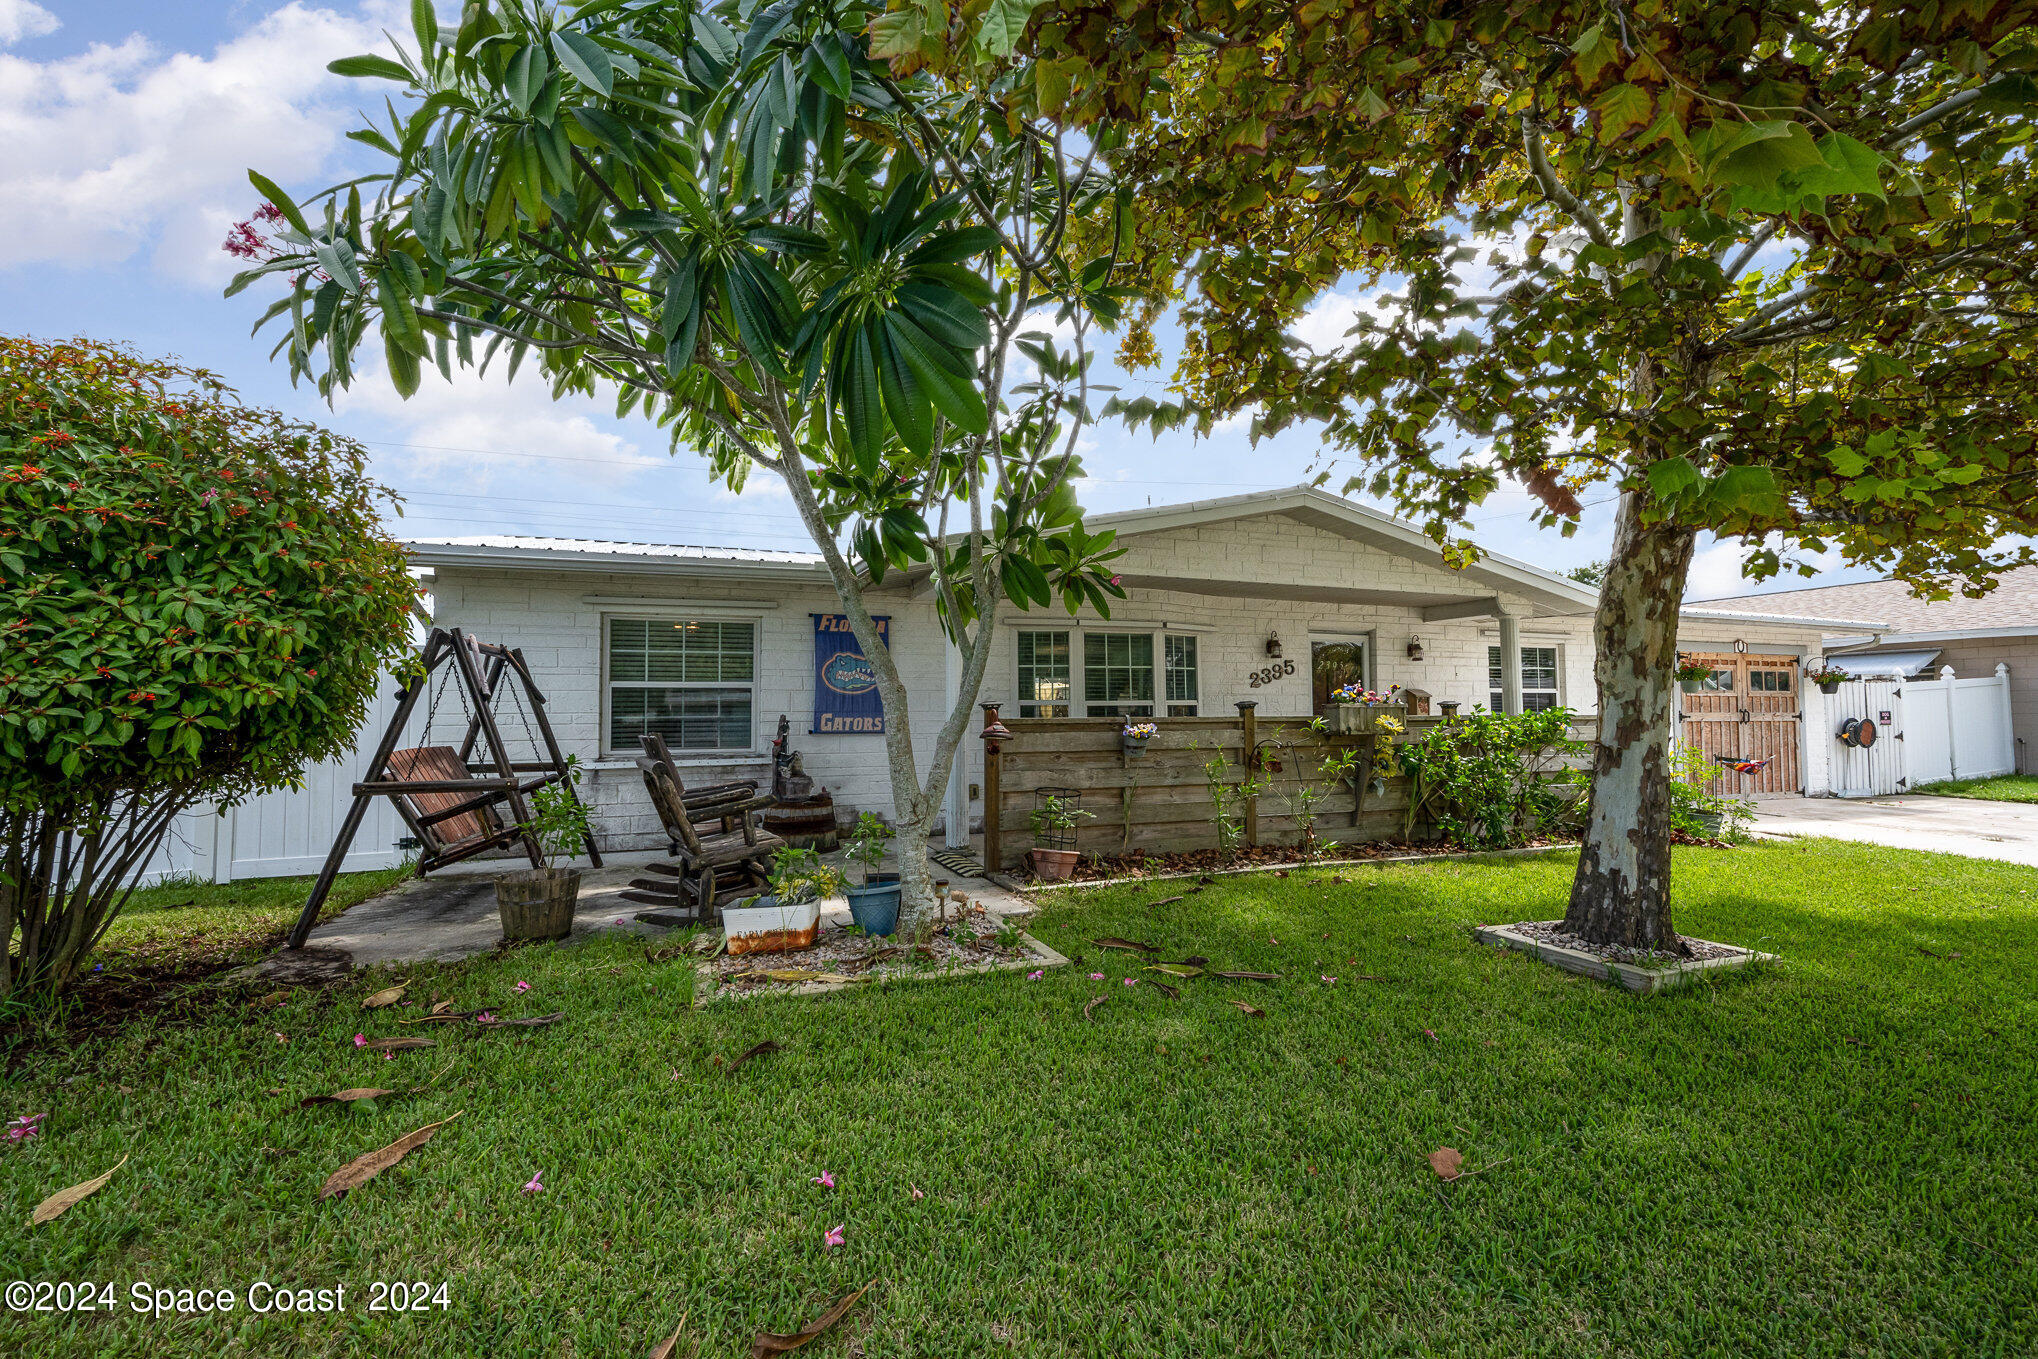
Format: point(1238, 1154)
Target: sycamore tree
point(774, 231)
point(1763, 270)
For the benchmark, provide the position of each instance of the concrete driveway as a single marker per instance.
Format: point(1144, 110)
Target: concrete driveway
point(1949, 825)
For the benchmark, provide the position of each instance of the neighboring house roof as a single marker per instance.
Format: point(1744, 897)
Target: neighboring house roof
point(2009, 609)
point(590, 554)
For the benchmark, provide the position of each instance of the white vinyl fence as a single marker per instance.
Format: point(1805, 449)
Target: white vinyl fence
point(288, 833)
point(1928, 731)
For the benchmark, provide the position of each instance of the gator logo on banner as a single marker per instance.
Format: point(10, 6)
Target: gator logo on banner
point(846, 700)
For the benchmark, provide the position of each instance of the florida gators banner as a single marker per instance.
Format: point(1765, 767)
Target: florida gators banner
point(846, 700)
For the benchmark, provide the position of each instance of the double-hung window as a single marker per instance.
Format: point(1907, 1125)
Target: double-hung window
point(1118, 674)
point(1538, 678)
point(691, 680)
point(1044, 674)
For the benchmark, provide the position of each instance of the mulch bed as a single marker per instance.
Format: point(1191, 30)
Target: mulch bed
point(839, 955)
point(1552, 932)
point(1141, 864)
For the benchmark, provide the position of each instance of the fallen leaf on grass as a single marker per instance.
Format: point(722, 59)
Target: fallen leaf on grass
point(667, 1347)
point(1176, 970)
point(399, 1044)
point(1445, 1161)
point(770, 1342)
point(1091, 1006)
point(57, 1204)
point(344, 1096)
point(1131, 945)
point(440, 1007)
point(533, 1022)
point(1171, 992)
point(270, 1001)
point(1248, 976)
point(762, 1049)
point(1255, 1011)
point(388, 995)
point(362, 1169)
point(1166, 901)
point(805, 974)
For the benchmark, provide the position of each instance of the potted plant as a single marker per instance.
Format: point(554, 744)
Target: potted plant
point(789, 916)
point(537, 903)
point(1355, 709)
point(873, 904)
point(1135, 735)
point(1692, 675)
point(1054, 834)
point(1827, 676)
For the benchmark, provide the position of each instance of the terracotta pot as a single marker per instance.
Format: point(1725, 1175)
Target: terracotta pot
point(537, 903)
point(1053, 864)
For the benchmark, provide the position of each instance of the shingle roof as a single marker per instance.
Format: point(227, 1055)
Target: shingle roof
point(2013, 603)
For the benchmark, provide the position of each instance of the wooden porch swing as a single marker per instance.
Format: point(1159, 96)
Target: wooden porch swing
point(445, 796)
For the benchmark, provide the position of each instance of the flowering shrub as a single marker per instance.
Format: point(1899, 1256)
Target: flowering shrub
point(196, 601)
point(1491, 780)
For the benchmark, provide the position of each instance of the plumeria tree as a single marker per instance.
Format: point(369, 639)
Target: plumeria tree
point(756, 227)
point(196, 601)
point(1761, 269)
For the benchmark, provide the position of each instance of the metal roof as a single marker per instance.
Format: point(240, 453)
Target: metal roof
point(516, 550)
point(1901, 664)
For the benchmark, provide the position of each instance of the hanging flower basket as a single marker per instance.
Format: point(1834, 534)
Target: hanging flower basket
point(1135, 736)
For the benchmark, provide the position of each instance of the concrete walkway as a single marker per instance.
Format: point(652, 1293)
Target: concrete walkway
point(451, 915)
point(1949, 825)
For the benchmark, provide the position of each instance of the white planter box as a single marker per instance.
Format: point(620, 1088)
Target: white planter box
point(774, 928)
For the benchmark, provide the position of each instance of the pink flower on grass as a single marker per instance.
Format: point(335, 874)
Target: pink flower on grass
point(1036, 975)
point(916, 1192)
point(25, 1127)
point(485, 1017)
point(825, 1179)
point(1328, 981)
point(1096, 976)
point(1132, 981)
point(388, 1056)
point(523, 986)
point(360, 1040)
point(535, 1184)
point(834, 1237)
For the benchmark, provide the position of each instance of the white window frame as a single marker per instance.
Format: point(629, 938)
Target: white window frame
point(1496, 697)
point(681, 614)
point(1079, 629)
point(1074, 667)
point(1162, 700)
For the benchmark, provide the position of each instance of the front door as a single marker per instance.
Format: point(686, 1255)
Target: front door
point(1747, 710)
point(1332, 665)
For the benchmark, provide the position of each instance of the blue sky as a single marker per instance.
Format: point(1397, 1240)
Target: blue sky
point(126, 130)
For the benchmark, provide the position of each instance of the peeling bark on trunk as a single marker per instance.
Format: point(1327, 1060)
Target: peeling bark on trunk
point(1621, 894)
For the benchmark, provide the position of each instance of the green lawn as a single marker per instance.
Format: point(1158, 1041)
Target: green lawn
point(1837, 1156)
point(186, 923)
point(2008, 788)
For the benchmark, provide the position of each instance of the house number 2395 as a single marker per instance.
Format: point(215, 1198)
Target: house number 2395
point(1270, 674)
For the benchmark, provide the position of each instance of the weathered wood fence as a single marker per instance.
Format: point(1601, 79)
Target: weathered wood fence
point(1160, 801)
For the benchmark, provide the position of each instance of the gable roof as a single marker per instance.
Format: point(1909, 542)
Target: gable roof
point(2011, 607)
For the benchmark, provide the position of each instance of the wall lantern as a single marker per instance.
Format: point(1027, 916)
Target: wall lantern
point(1415, 648)
point(1274, 645)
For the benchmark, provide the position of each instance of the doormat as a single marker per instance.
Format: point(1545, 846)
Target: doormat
point(962, 862)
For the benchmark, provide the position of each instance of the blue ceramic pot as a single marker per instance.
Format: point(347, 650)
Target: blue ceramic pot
point(875, 905)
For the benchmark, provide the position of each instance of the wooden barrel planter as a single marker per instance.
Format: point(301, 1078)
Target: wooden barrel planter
point(537, 903)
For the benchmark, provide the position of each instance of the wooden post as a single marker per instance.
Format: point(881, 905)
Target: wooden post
point(1250, 728)
point(994, 735)
point(484, 716)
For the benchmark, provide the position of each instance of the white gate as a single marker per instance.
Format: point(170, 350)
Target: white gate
point(1958, 728)
point(1877, 770)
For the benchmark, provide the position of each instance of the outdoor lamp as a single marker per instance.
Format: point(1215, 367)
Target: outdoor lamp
point(994, 731)
point(1415, 648)
point(1274, 644)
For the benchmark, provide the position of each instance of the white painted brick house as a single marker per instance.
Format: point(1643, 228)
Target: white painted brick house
point(1214, 589)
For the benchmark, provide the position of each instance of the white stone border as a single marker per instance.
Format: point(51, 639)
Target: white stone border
point(1642, 980)
point(706, 992)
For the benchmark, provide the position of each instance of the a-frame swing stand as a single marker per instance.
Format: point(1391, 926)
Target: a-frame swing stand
point(447, 799)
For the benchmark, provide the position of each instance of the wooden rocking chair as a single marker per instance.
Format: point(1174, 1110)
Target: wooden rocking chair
point(734, 859)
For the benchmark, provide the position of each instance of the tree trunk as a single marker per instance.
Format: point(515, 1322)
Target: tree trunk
point(1621, 894)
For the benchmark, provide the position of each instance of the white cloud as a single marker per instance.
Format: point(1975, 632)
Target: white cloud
point(121, 147)
point(22, 19)
point(455, 433)
point(1716, 570)
point(1325, 325)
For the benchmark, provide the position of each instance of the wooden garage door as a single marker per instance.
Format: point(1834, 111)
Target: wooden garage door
point(1748, 710)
